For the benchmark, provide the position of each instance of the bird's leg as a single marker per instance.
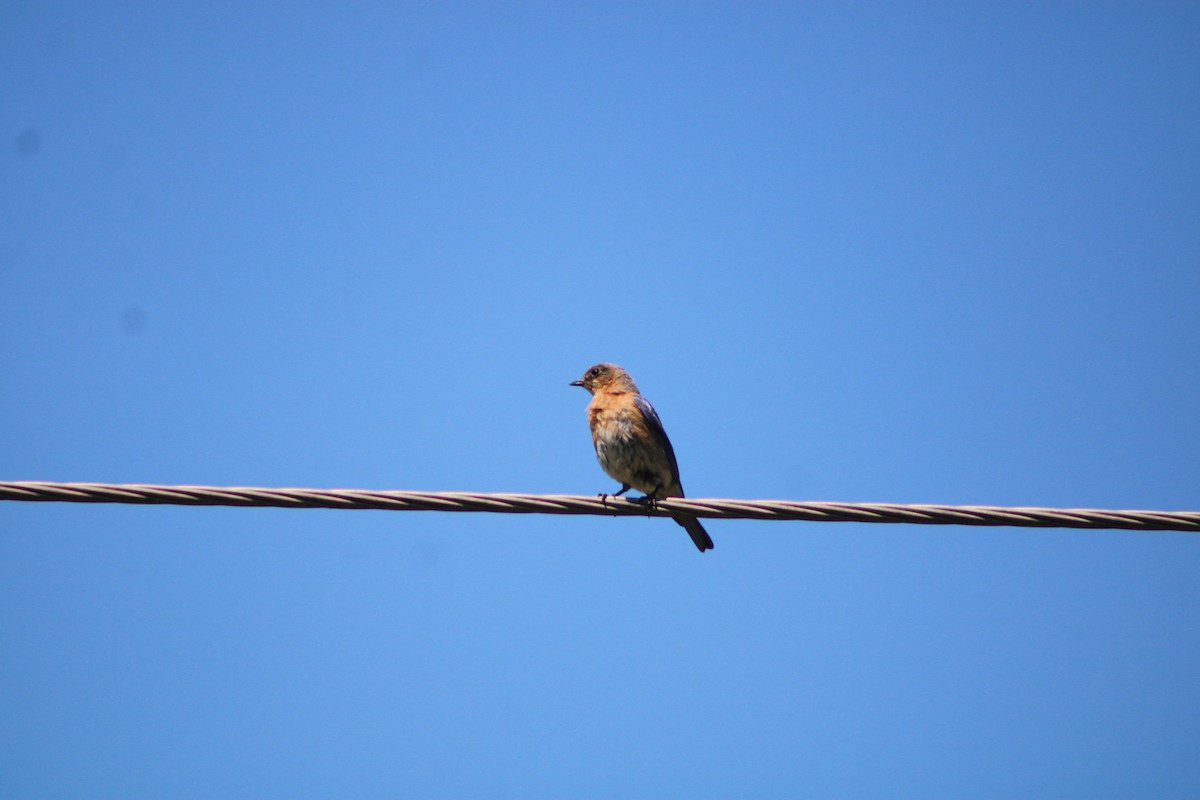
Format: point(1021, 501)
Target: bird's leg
point(625, 487)
point(648, 499)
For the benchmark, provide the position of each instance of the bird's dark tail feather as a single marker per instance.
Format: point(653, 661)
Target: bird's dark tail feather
point(696, 531)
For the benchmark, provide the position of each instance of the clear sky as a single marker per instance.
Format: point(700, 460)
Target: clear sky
point(905, 252)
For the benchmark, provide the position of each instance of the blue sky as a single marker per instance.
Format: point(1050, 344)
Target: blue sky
point(889, 252)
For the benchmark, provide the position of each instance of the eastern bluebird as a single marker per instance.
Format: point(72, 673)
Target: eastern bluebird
point(630, 442)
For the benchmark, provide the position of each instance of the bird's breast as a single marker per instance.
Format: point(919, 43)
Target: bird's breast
point(623, 452)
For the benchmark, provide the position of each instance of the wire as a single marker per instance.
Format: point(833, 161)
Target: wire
point(711, 508)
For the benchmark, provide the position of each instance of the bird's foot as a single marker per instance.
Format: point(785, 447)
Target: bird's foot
point(604, 496)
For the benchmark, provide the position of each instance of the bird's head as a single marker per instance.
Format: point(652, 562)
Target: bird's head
point(606, 377)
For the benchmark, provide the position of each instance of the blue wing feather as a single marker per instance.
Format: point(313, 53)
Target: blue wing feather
point(659, 433)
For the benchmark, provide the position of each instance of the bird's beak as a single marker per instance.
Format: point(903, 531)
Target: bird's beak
point(575, 383)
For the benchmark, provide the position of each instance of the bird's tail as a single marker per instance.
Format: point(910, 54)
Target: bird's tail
point(696, 531)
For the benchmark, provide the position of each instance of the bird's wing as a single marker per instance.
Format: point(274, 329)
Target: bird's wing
point(659, 433)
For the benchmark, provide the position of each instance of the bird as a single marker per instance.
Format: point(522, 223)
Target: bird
point(631, 444)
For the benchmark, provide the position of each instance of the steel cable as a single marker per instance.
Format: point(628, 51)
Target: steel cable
point(505, 503)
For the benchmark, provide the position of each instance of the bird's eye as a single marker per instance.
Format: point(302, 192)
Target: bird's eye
point(594, 372)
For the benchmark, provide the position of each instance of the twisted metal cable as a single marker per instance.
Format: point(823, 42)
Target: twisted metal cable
point(710, 508)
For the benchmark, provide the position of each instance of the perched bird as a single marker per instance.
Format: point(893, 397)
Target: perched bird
point(630, 442)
